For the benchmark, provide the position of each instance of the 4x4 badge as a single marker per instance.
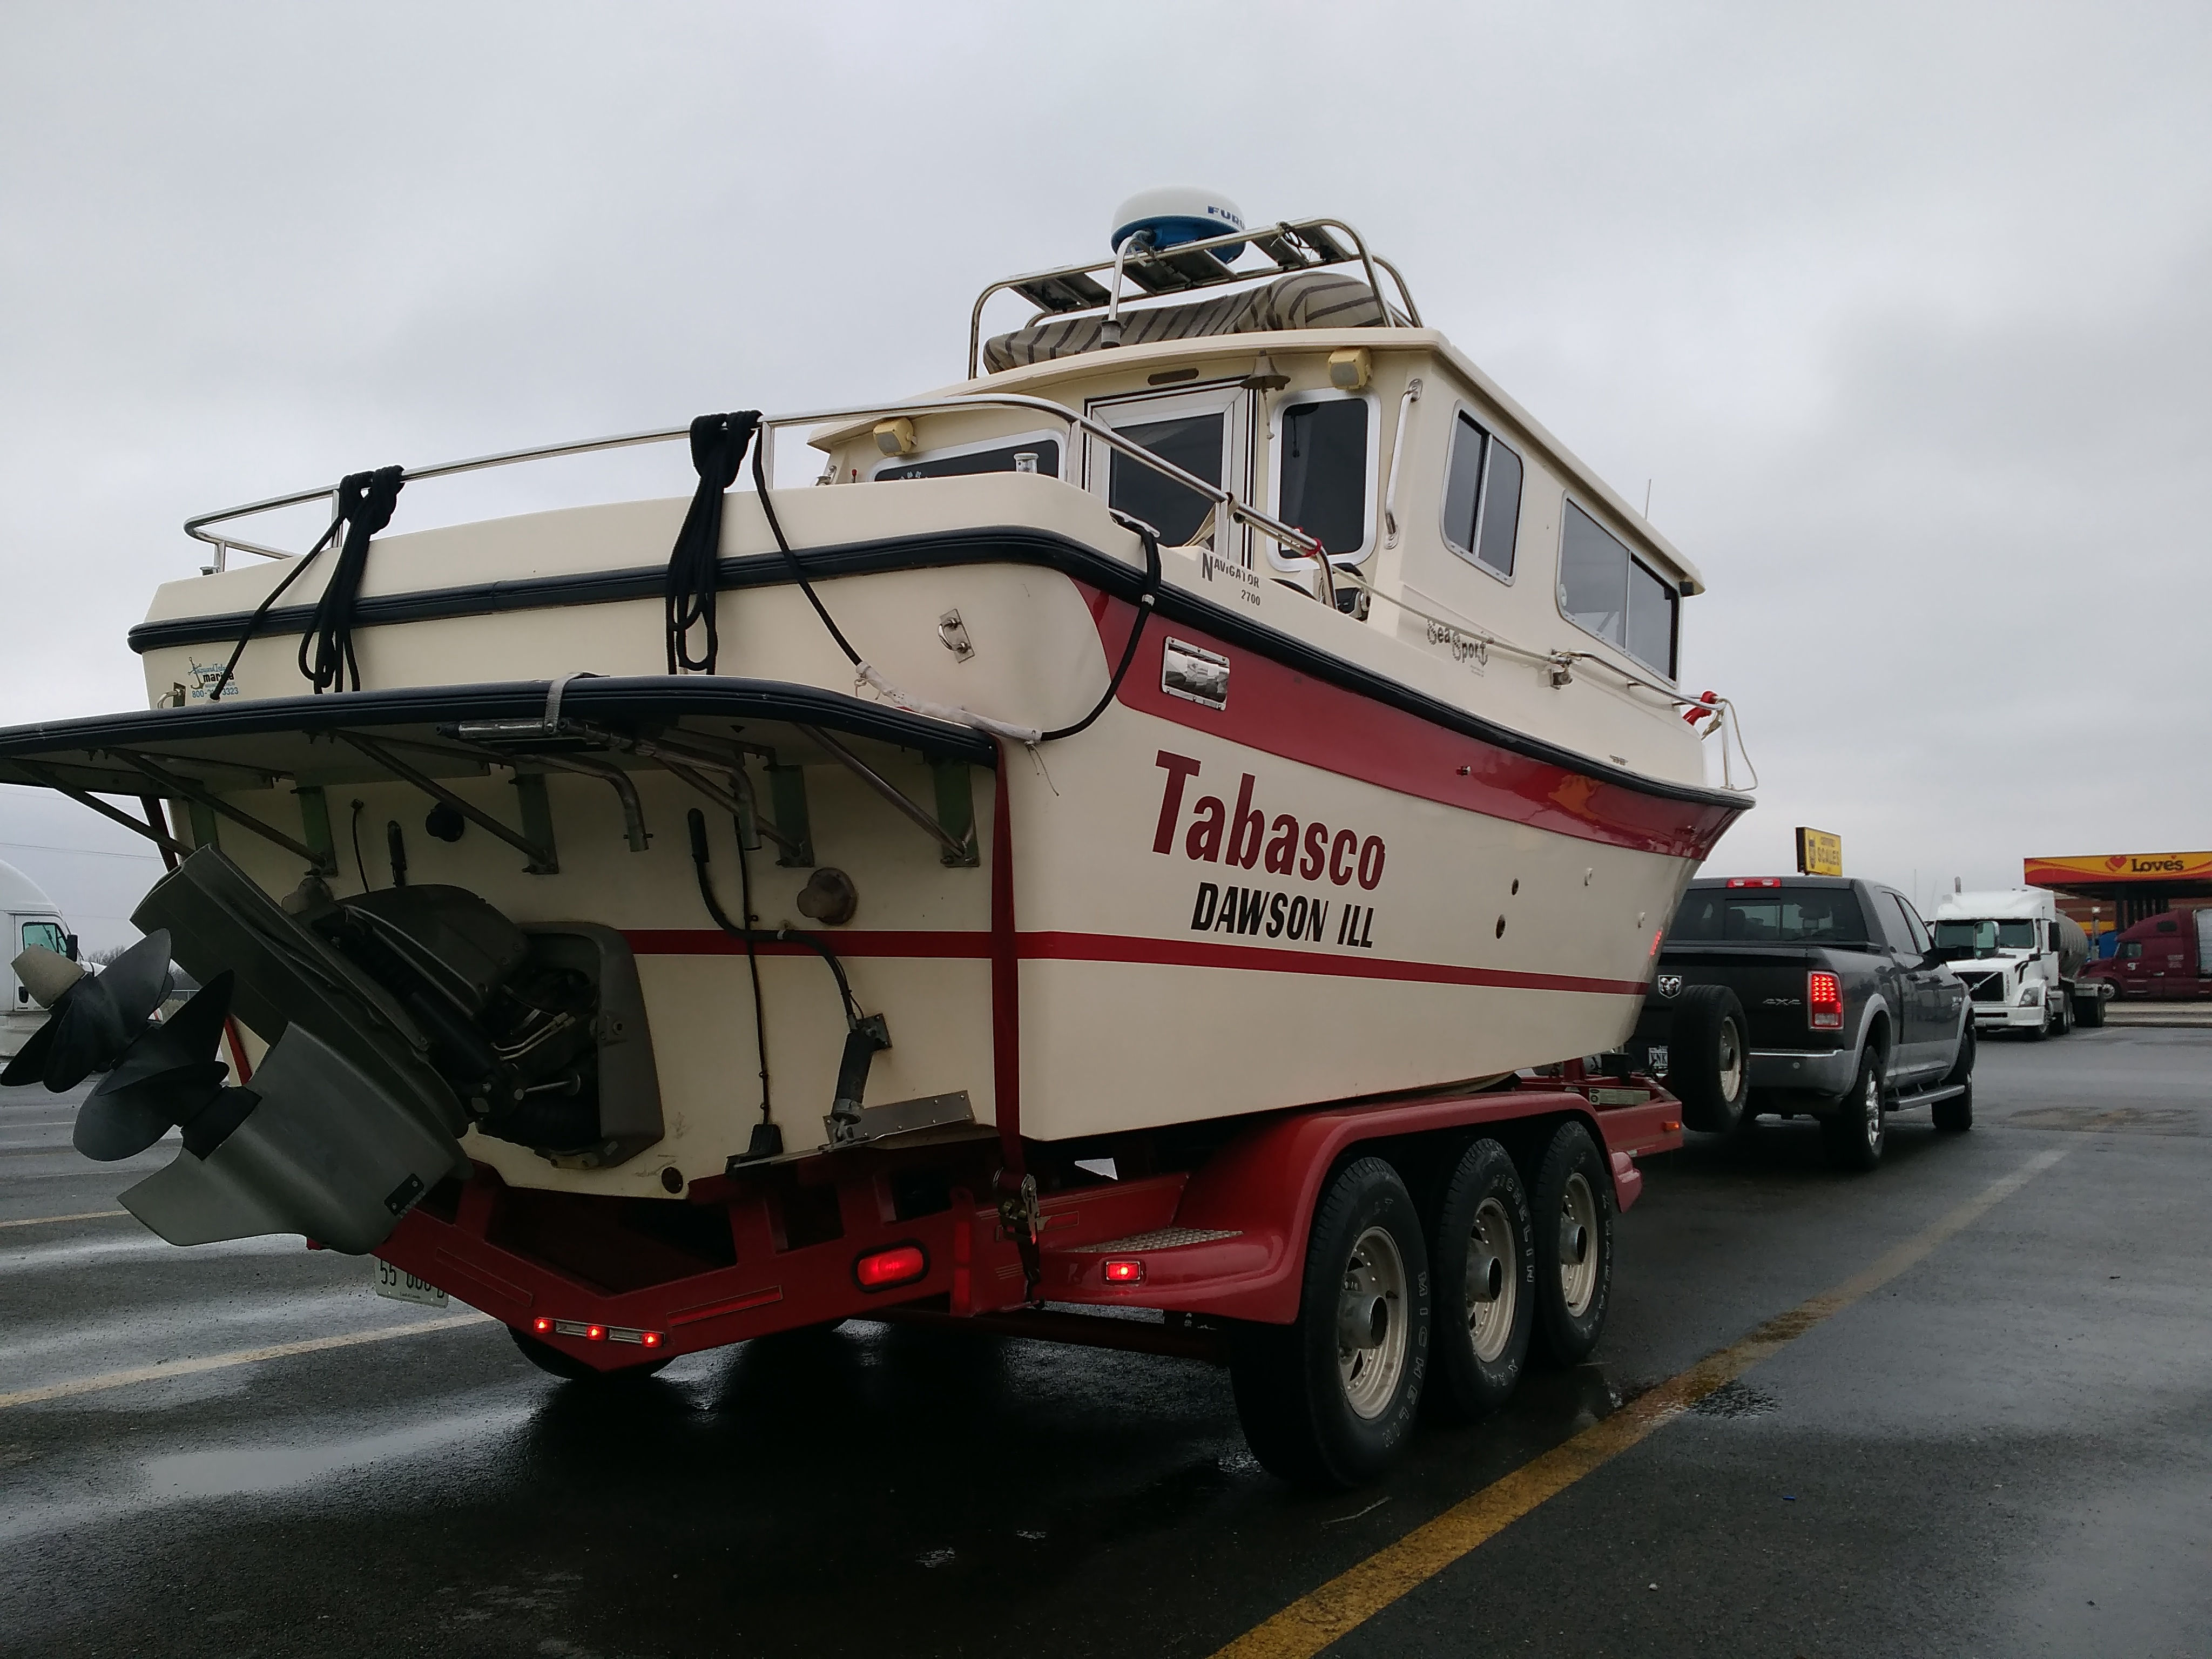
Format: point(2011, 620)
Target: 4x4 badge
point(1670, 985)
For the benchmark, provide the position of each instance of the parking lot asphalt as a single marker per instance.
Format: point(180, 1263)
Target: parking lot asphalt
point(1999, 1448)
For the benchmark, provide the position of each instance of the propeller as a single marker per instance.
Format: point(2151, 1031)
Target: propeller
point(95, 1017)
point(168, 1075)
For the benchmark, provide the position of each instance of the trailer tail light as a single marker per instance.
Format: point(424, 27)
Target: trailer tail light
point(1125, 1273)
point(881, 1269)
point(1824, 1002)
point(1754, 881)
point(542, 1325)
point(595, 1332)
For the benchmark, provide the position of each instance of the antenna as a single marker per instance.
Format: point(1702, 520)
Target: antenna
point(1647, 501)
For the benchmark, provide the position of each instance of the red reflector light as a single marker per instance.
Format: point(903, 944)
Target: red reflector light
point(651, 1338)
point(900, 1265)
point(1669, 1125)
point(542, 1325)
point(595, 1332)
point(1754, 881)
point(1125, 1273)
point(1824, 1002)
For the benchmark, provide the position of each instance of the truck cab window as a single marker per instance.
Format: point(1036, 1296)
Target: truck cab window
point(1324, 477)
point(47, 933)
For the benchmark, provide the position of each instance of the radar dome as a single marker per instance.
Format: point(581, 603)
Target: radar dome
point(1179, 214)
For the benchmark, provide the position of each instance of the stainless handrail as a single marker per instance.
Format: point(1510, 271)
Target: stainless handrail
point(1297, 541)
point(1368, 260)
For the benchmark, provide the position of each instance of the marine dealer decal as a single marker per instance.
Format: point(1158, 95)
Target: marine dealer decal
point(1244, 837)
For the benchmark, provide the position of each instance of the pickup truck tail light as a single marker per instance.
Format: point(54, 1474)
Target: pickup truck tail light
point(1824, 1002)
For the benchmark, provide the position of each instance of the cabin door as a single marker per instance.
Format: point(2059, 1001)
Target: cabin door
point(1207, 430)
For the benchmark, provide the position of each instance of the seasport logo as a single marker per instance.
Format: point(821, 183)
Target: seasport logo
point(1245, 836)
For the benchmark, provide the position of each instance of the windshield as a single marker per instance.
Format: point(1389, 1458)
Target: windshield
point(1980, 938)
point(1781, 916)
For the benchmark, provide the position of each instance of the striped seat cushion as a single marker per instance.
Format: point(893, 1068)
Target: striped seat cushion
point(1305, 299)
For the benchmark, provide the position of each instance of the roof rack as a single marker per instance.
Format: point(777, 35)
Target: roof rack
point(1293, 245)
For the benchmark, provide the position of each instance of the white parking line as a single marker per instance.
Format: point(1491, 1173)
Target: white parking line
point(216, 1362)
point(47, 1220)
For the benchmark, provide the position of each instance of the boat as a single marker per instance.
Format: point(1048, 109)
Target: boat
point(1223, 700)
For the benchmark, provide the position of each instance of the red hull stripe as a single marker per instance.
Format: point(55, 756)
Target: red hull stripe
point(1278, 710)
point(1155, 953)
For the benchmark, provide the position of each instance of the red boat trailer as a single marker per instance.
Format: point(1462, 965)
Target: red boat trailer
point(1205, 1233)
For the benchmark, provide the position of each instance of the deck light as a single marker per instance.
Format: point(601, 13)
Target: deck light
point(894, 437)
point(880, 1270)
point(1125, 1273)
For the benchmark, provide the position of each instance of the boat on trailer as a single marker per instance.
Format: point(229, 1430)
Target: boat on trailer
point(1221, 755)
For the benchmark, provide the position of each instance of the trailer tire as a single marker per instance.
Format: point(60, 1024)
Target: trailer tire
point(2089, 1012)
point(1483, 1274)
point(569, 1368)
point(1709, 1052)
point(1320, 1409)
point(1573, 1238)
point(1855, 1132)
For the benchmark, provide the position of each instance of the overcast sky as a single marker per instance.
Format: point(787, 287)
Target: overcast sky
point(1904, 311)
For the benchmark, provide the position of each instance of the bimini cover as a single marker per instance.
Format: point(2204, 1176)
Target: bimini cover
point(1304, 299)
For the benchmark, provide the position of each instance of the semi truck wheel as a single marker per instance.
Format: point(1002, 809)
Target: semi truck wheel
point(1573, 1206)
point(1855, 1131)
point(569, 1368)
point(1709, 1059)
point(1486, 1286)
point(1329, 1401)
point(2089, 1012)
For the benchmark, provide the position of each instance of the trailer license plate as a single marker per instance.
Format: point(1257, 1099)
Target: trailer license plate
point(404, 1286)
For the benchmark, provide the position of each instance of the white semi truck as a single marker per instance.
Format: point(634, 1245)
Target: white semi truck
point(2021, 961)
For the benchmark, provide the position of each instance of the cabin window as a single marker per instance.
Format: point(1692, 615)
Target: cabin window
point(47, 933)
point(1322, 472)
point(1037, 454)
point(1482, 498)
point(1201, 431)
point(1616, 597)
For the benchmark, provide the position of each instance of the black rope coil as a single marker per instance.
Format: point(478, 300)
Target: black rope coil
point(366, 501)
point(719, 443)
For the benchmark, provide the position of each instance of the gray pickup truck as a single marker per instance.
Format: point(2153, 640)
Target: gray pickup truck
point(1806, 996)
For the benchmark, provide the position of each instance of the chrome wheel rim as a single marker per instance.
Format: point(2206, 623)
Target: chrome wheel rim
point(1731, 1061)
point(1493, 1281)
point(1872, 1107)
point(1578, 1245)
point(1370, 1324)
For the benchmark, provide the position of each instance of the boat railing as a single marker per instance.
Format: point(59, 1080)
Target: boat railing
point(1293, 245)
point(1296, 543)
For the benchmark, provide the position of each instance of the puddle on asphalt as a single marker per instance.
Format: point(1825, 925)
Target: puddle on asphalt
point(241, 1471)
point(2139, 1120)
point(1737, 1400)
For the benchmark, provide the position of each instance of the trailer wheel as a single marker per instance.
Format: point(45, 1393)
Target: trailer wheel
point(1855, 1131)
point(1329, 1401)
point(569, 1368)
point(1709, 1058)
point(1573, 1228)
point(1485, 1285)
point(2089, 1012)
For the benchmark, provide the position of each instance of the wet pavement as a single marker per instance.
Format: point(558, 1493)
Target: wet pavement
point(2001, 1450)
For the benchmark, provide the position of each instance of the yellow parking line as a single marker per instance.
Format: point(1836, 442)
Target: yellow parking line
point(1348, 1600)
point(81, 1215)
point(216, 1362)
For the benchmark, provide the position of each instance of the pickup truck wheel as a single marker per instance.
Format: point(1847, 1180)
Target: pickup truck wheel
point(1330, 1402)
point(569, 1368)
point(1709, 1055)
point(1573, 1214)
point(1956, 1114)
point(1855, 1132)
point(1486, 1286)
